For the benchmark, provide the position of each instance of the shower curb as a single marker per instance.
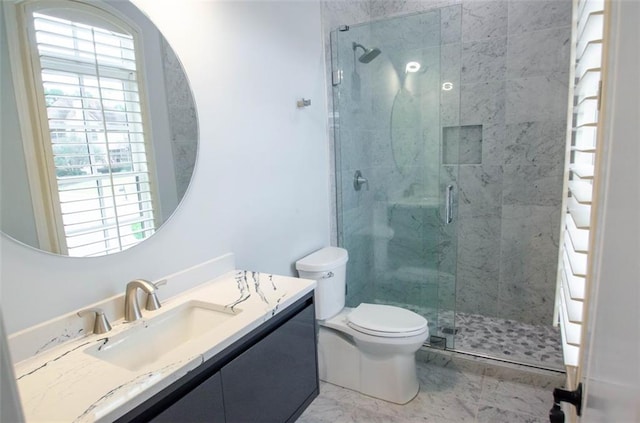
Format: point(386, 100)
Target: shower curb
point(428, 354)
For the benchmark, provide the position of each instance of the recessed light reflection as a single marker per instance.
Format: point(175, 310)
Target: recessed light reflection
point(447, 86)
point(412, 67)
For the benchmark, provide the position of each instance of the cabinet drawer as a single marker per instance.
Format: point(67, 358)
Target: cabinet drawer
point(203, 404)
point(272, 379)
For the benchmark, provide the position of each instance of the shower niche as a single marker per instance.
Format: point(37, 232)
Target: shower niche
point(462, 144)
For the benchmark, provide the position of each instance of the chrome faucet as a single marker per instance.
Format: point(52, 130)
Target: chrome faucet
point(131, 306)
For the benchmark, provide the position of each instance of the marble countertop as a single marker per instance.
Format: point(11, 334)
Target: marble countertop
point(67, 384)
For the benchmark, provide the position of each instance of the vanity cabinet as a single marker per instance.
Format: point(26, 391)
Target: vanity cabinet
point(271, 380)
point(270, 375)
point(202, 404)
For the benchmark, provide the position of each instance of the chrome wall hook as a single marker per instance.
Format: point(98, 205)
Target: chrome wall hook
point(303, 103)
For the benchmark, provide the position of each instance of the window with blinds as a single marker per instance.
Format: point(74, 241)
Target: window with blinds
point(574, 262)
point(96, 153)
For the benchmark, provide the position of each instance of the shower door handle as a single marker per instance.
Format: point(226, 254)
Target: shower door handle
point(448, 213)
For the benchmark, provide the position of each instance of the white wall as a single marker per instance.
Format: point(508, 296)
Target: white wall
point(261, 184)
point(612, 379)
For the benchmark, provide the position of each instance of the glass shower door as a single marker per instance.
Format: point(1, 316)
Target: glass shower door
point(396, 182)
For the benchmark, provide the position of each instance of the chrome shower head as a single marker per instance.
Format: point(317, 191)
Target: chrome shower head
point(369, 53)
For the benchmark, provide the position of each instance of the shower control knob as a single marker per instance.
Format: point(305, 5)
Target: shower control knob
point(359, 181)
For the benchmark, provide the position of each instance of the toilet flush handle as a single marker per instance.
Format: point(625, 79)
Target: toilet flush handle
point(327, 275)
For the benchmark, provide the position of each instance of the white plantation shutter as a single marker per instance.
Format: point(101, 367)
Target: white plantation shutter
point(97, 139)
point(575, 249)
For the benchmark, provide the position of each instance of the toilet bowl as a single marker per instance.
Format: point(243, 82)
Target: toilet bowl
point(369, 348)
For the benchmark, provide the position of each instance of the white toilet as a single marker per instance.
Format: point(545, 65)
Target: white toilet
point(370, 348)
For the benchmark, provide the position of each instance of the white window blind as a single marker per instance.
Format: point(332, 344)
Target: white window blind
point(575, 250)
point(97, 151)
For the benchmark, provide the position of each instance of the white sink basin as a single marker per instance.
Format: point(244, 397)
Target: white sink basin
point(145, 343)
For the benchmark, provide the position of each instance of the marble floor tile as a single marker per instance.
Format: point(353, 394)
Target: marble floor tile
point(519, 392)
point(488, 414)
point(452, 389)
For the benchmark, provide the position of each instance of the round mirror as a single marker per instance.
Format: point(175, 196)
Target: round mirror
point(99, 134)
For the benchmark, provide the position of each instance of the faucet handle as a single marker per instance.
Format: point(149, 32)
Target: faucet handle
point(101, 324)
point(152, 299)
point(159, 283)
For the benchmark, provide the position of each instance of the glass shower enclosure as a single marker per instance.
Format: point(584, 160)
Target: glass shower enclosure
point(448, 151)
point(396, 167)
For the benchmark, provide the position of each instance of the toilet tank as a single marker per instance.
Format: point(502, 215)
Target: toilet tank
point(328, 267)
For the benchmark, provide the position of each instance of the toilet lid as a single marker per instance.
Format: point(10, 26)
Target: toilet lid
point(385, 320)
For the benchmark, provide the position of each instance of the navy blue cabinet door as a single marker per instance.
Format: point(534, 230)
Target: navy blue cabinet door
point(275, 379)
point(203, 404)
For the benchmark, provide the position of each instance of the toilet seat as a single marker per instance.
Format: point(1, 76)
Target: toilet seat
point(386, 321)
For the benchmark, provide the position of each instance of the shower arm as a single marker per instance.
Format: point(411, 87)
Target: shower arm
point(355, 59)
point(354, 46)
point(367, 55)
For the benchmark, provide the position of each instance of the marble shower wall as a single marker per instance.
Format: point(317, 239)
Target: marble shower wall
point(509, 64)
point(388, 127)
point(406, 122)
point(514, 79)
